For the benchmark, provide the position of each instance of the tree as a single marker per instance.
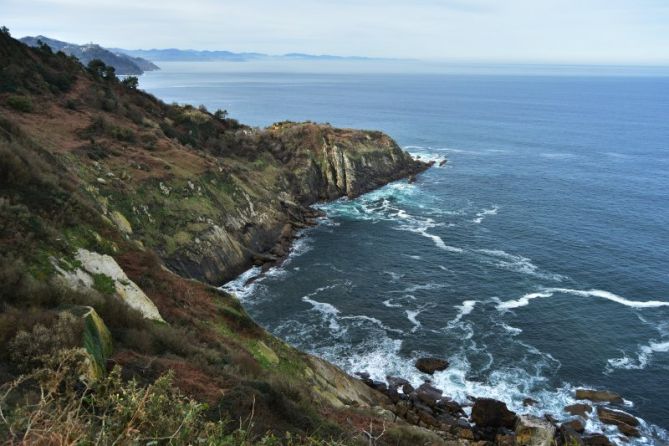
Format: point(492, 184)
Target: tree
point(4, 30)
point(100, 69)
point(221, 114)
point(131, 82)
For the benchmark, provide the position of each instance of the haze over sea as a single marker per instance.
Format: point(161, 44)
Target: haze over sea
point(536, 260)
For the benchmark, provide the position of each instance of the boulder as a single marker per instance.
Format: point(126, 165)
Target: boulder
point(599, 396)
point(576, 425)
point(450, 406)
point(488, 412)
point(431, 365)
point(627, 423)
point(580, 409)
point(505, 440)
point(569, 437)
point(428, 395)
point(407, 388)
point(596, 440)
point(534, 431)
point(395, 382)
point(529, 402)
point(629, 430)
point(442, 162)
point(613, 416)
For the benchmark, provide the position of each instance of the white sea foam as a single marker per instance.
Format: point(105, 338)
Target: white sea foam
point(549, 292)
point(393, 275)
point(389, 303)
point(643, 357)
point(480, 216)
point(523, 301)
point(364, 318)
point(516, 263)
point(514, 331)
point(240, 286)
point(559, 155)
point(328, 311)
point(422, 226)
point(412, 315)
point(464, 309)
point(419, 287)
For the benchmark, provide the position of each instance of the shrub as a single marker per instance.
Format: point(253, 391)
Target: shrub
point(20, 103)
point(29, 349)
point(104, 284)
point(131, 82)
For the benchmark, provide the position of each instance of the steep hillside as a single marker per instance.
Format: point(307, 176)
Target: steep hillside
point(110, 200)
point(123, 63)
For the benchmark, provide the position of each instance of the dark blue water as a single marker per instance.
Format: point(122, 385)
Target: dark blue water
point(536, 260)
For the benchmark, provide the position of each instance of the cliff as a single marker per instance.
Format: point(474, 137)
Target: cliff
point(110, 202)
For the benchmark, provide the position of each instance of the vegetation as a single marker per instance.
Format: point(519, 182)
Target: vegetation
point(20, 103)
point(104, 167)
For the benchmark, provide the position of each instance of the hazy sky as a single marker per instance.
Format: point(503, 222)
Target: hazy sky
point(563, 31)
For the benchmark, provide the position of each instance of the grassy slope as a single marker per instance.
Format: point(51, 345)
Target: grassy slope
point(86, 162)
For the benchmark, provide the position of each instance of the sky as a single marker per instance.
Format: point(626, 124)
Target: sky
point(509, 31)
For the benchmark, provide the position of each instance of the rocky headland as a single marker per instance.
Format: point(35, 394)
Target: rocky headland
point(119, 216)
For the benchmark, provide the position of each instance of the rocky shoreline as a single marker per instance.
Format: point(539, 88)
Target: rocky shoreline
point(486, 421)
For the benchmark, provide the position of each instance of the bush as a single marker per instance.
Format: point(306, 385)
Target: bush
point(29, 349)
point(55, 405)
point(131, 82)
point(20, 103)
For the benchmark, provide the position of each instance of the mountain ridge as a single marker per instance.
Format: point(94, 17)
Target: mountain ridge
point(124, 64)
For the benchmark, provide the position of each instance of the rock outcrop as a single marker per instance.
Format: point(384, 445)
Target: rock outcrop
point(488, 412)
point(599, 396)
point(100, 272)
point(533, 431)
point(431, 365)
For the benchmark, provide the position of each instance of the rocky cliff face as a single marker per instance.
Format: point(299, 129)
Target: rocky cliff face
point(321, 163)
point(111, 200)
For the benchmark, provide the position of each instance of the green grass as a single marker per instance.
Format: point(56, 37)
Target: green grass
point(104, 284)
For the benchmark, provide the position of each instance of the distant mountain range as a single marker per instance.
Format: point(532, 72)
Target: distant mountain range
point(139, 61)
point(173, 54)
point(123, 63)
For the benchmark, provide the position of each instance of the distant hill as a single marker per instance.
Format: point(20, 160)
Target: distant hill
point(123, 63)
point(174, 54)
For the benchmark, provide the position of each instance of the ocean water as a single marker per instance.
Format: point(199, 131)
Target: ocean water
point(536, 260)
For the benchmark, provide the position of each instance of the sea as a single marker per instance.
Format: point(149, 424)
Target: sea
point(535, 260)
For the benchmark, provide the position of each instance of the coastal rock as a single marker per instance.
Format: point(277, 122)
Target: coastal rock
point(428, 394)
point(534, 431)
point(505, 439)
point(442, 162)
point(396, 383)
point(628, 430)
point(529, 402)
point(431, 365)
point(576, 425)
point(596, 440)
point(627, 423)
point(488, 412)
point(599, 396)
point(450, 406)
point(580, 409)
point(569, 437)
point(614, 416)
point(100, 272)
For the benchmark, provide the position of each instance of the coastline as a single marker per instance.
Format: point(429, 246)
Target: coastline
point(594, 417)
